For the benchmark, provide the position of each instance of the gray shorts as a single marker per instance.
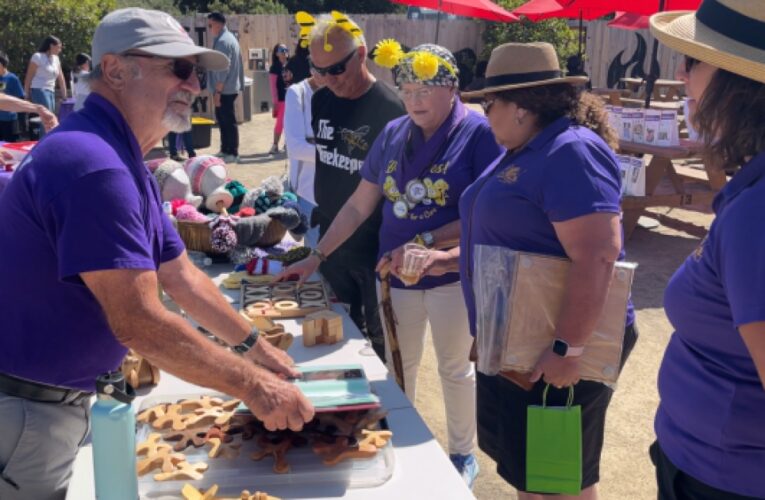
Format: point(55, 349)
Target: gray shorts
point(38, 446)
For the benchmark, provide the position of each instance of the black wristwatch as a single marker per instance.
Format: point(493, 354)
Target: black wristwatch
point(248, 343)
point(428, 239)
point(564, 350)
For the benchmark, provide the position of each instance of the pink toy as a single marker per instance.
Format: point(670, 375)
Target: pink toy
point(173, 181)
point(208, 178)
point(189, 213)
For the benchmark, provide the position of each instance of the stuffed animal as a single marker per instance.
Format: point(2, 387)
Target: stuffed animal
point(173, 182)
point(208, 178)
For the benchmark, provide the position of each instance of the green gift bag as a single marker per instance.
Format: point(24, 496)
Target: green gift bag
point(554, 447)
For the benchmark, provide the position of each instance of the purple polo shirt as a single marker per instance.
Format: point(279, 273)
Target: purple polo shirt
point(711, 419)
point(82, 200)
point(469, 148)
point(565, 172)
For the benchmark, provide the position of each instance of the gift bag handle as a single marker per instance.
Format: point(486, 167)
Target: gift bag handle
point(569, 401)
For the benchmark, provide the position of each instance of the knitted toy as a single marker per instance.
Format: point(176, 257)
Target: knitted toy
point(173, 181)
point(190, 214)
point(238, 191)
point(269, 194)
point(208, 178)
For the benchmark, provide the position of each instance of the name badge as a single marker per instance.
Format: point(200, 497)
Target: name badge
point(400, 209)
point(416, 191)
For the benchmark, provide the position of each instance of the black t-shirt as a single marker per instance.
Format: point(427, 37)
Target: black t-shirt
point(281, 87)
point(345, 130)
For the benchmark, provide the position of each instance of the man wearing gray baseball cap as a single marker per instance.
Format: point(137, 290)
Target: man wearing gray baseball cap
point(85, 246)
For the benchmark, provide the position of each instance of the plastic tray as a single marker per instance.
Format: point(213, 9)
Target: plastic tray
point(234, 475)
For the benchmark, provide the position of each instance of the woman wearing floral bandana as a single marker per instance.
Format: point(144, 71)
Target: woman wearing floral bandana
point(418, 167)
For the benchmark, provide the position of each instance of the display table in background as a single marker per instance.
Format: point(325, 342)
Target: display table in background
point(422, 469)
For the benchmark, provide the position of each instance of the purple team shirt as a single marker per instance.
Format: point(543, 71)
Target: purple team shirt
point(565, 172)
point(711, 418)
point(455, 156)
point(81, 201)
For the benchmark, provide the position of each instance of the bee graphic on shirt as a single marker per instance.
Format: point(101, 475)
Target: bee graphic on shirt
point(510, 174)
point(355, 138)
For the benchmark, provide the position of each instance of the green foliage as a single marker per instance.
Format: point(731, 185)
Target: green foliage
point(345, 6)
point(168, 6)
point(26, 23)
point(246, 7)
point(554, 31)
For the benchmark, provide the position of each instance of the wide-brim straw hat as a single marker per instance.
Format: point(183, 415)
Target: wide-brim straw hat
point(520, 65)
point(728, 34)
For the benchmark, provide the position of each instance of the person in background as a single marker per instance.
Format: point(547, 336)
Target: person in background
point(15, 105)
point(43, 73)
point(710, 442)
point(10, 85)
point(80, 86)
point(297, 66)
point(555, 192)
point(188, 144)
point(277, 71)
point(347, 116)
point(480, 77)
point(301, 145)
point(83, 225)
point(225, 86)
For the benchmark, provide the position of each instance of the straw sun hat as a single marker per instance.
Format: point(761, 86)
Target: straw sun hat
point(519, 65)
point(728, 34)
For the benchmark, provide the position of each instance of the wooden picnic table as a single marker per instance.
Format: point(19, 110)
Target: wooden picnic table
point(663, 90)
point(671, 185)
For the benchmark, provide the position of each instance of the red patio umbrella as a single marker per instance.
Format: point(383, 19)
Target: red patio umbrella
point(629, 21)
point(483, 9)
point(538, 10)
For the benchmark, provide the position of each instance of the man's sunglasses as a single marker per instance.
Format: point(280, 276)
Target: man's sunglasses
point(690, 63)
point(336, 69)
point(181, 68)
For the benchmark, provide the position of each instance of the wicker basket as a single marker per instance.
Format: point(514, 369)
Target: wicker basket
point(196, 235)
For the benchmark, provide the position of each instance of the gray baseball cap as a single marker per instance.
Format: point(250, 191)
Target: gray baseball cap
point(151, 32)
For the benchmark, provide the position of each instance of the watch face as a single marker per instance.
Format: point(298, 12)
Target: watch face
point(560, 348)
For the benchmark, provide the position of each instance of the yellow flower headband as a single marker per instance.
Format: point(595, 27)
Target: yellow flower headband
point(425, 63)
point(307, 22)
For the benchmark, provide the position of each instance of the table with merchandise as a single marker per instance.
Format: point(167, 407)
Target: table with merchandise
point(406, 462)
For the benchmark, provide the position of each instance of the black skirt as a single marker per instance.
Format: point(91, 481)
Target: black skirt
point(502, 419)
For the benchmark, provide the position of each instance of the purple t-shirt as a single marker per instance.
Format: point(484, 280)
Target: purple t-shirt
point(565, 172)
point(711, 419)
point(445, 165)
point(82, 200)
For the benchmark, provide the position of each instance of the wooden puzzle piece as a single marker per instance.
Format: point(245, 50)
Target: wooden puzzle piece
point(323, 327)
point(209, 416)
point(184, 470)
point(258, 495)
point(186, 438)
point(333, 453)
point(219, 449)
point(217, 432)
point(149, 415)
point(151, 446)
point(277, 447)
point(279, 339)
point(378, 439)
point(207, 402)
point(165, 460)
point(370, 419)
point(243, 424)
point(189, 492)
point(172, 418)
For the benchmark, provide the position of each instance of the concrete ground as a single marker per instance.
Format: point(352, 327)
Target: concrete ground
point(626, 470)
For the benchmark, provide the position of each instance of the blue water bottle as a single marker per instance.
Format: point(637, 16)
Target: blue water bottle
point(113, 428)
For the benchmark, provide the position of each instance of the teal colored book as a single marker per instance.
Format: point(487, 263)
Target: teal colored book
point(337, 387)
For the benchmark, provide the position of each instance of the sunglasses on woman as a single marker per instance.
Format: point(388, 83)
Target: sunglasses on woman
point(181, 68)
point(336, 69)
point(690, 63)
point(486, 104)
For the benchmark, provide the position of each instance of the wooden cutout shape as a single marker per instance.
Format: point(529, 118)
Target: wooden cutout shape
point(323, 327)
point(172, 418)
point(186, 438)
point(378, 439)
point(339, 450)
point(219, 449)
point(370, 419)
point(278, 450)
point(209, 416)
point(217, 432)
point(207, 402)
point(189, 492)
point(165, 459)
point(258, 495)
point(279, 339)
point(184, 470)
point(149, 415)
point(151, 446)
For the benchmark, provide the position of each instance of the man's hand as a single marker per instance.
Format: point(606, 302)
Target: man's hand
point(557, 371)
point(216, 99)
point(279, 404)
point(48, 119)
point(303, 269)
point(273, 358)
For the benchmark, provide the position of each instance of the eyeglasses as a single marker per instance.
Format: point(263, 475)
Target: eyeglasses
point(486, 104)
point(690, 62)
point(181, 68)
point(419, 94)
point(336, 69)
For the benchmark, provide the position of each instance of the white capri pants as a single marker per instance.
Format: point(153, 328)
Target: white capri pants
point(444, 308)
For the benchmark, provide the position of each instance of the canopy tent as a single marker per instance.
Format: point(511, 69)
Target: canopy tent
point(482, 9)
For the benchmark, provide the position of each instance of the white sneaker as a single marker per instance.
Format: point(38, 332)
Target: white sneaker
point(274, 149)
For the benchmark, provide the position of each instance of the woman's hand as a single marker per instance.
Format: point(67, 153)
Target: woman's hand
point(439, 263)
point(556, 370)
point(303, 269)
